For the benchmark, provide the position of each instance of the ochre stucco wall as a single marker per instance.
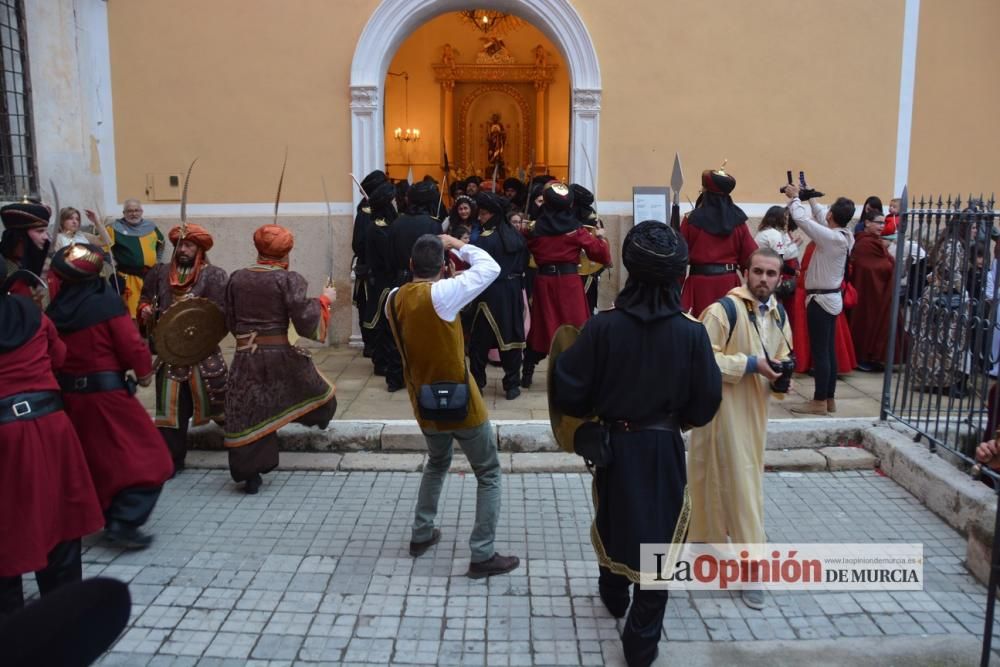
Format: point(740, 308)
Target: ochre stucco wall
point(956, 138)
point(770, 85)
point(233, 82)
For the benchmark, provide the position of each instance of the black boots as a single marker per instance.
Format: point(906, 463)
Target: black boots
point(527, 373)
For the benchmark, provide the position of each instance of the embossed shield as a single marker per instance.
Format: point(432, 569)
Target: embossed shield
point(189, 331)
point(563, 426)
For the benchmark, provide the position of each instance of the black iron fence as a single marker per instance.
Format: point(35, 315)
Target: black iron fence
point(943, 354)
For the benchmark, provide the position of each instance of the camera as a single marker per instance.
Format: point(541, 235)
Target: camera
point(785, 369)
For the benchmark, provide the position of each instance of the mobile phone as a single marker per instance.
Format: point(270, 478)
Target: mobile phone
point(802, 179)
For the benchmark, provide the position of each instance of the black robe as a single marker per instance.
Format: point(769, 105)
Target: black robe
point(623, 367)
point(404, 233)
point(382, 272)
point(501, 305)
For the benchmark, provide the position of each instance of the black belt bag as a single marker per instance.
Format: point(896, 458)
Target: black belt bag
point(558, 269)
point(832, 290)
point(29, 405)
point(444, 401)
point(713, 269)
point(95, 382)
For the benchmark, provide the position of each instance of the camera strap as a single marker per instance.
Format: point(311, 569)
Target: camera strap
point(781, 328)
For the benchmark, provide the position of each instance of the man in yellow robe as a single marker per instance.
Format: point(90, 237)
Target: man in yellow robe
point(726, 456)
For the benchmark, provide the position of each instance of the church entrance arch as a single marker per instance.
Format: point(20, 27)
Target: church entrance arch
point(394, 20)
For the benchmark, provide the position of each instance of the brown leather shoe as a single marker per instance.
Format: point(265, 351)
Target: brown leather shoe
point(831, 405)
point(810, 408)
point(418, 549)
point(496, 565)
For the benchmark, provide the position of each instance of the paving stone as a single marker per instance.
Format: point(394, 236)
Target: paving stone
point(378, 462)
point(231, 578)
point(848, 458)
point(800, 460)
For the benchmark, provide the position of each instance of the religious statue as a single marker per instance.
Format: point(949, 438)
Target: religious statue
point(448, 56)
point(496, 139)
point(541, 58)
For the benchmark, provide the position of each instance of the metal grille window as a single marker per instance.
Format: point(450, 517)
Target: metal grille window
point(17, 153)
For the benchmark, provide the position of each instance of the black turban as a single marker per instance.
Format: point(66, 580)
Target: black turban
point(85, 298)
point(495, 204)
point(381, 199)
point(373, 180)
point(581, 195)
point(557, 216)
point(20, 317)
point(423, 195)
point(656, 257)
point(715, 211)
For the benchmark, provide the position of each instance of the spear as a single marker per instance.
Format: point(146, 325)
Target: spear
point(444, 184)
point(676, 183)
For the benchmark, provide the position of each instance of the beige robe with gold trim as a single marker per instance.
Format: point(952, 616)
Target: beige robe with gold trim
point(726, 456)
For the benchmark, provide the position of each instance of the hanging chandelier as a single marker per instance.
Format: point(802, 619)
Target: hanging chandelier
point(491, 21)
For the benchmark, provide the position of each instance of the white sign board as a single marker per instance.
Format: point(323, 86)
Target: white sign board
point(650, 203)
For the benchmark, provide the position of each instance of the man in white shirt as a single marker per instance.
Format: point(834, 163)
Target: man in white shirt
point(423, 316)
point(824, 301)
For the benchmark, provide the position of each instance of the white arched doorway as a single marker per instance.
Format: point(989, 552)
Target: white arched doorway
point(394, 20)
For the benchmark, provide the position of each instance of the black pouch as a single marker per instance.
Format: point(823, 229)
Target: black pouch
point(444, 401)
point(592, 441)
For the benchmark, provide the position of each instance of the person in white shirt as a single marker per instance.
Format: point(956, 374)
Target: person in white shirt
point(69, 230)
point(824, 301)
point(423, 317)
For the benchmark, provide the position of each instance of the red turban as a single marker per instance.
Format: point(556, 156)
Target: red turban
point(196, 234)
point(273, 241)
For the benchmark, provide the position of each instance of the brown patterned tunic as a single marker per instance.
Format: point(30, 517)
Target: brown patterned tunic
point(272, 383)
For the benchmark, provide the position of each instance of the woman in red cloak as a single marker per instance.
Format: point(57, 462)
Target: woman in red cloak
point(128, 459)
point(47, 499)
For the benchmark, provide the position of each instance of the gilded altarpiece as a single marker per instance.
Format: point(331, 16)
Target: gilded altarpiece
point(472, 93)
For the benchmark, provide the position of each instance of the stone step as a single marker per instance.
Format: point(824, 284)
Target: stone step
point(802, 460)
point(399, 435)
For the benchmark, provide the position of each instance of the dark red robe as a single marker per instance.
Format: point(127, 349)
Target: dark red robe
point(846, 361)
point(700, 292)
point(46, 493)
point(124, 450)
point(871, 275)
point(560, 299)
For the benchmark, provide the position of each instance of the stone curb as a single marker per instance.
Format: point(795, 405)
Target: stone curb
point(529, 436)
point(962, 502)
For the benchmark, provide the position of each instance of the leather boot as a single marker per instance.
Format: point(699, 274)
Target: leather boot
point(527, 373)
point(810, 408)
point(831, 405)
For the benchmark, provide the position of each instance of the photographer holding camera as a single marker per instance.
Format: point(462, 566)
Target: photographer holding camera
point(751, 338)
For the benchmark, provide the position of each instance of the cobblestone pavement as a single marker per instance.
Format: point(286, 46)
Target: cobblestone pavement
point(361, 395)
point(315, 569)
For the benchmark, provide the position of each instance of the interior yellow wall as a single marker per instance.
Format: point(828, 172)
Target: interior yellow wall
point(423, 49)
point(956, 139)
point(233, 82)
point(769, 85)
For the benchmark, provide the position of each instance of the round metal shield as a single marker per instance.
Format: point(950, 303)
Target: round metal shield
point(563, 426)
point(587, 265)
point(189, 331)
